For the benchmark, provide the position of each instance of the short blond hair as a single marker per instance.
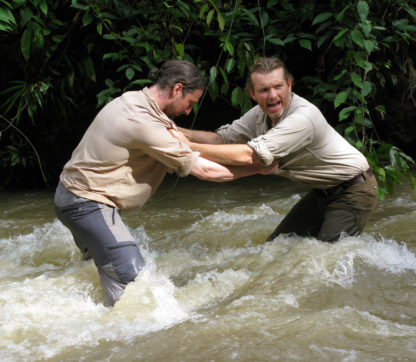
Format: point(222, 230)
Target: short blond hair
point(266, 65)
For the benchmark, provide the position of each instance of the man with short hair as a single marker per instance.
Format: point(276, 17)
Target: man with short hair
point(286, 127)
point(121, 161)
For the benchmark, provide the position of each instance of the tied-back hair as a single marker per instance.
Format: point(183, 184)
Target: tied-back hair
point(266, 65)
point(178, 71)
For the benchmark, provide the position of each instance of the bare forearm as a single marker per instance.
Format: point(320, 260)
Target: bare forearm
point(236, 155)
point(211, 146)
point(201, 136)
point(210, 171)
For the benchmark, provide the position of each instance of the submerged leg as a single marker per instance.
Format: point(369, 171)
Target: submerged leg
point(100, 230)
point(304, 219)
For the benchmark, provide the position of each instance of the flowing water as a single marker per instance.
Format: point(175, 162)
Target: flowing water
point(211, 289)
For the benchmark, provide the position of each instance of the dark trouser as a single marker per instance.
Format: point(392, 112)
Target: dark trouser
point(326, 214)
point(100, 233)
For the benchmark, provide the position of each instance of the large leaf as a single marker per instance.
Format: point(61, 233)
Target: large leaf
point(321, 18)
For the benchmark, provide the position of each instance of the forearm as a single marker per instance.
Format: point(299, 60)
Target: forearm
point(210, 171)
point(226, 154)
point(201, 136)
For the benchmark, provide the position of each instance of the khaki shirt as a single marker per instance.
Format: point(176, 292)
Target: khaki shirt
point(125, 153)
point(309, 150)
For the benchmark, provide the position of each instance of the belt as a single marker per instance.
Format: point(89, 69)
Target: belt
point(355, 180)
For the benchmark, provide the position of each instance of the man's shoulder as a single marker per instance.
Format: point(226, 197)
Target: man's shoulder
point(301, 106)
point(255, 114)
point(133, 97)
point(298, 102)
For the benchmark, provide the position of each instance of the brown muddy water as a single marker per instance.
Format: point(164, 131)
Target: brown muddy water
point(211, 289)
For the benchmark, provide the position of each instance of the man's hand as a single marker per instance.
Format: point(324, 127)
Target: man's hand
point(269, 170)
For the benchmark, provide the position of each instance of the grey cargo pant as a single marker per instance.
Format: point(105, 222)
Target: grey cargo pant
point(99, 232)
point(325, 214)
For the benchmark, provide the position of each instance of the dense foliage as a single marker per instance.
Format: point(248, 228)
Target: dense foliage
point(63, 59)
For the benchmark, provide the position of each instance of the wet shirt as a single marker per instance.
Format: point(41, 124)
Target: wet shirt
point(309, 150)
point(126, 152)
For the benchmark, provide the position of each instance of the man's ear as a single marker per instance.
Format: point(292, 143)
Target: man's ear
point(177, 89)
point(251, 91)
point(289, 84)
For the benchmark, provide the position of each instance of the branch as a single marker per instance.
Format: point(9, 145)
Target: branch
point(27, 139)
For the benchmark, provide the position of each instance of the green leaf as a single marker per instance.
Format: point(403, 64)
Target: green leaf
point(100, 28)
point(345, 112)
point(71, 79)
point(221, 21)
point(87, 19)
point(213, 73)
point(322, 39)
point(340, 98)
point(89, 68)
point(177, 28)
point(180, 48)
point(139, 82)
point(340, 75)
point(204, 8)
point(209, 16)
point(369, 46)
point(366, 90)
point(229, 65)
point(340, 15)
point(252, 17)
point(43, 6)
point(340, 34)
point(362, 62)
point(362, 8)
point(7, 3)
point(357, 37)
point(129, 73)
point(357, 80)
point(213, 89)
point(348, 130)
point(6, 16)
point(321, 18)
point(236, 97)
point(276, 41)
point(366, 27)
point(380, 108)
point(25, 43)
point(304, 43)
point(229, 47)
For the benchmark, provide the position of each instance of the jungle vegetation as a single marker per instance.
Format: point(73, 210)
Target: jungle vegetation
point(63, 60)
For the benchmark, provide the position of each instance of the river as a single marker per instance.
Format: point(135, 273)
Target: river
point(211, 289)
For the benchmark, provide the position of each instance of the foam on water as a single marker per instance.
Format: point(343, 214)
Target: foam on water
point(51, 301)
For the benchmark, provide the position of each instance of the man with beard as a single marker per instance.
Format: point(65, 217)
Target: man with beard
point(121, 161)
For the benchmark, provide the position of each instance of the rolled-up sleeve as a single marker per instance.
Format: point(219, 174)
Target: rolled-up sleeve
point(156, 141)
point(293, 134)
point(260, 147)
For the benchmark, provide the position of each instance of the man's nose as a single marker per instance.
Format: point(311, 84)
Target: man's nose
point(273, 92)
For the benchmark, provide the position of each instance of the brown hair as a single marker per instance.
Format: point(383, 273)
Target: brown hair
point(267, 65)
point(178, 71)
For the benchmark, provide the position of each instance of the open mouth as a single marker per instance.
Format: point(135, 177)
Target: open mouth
point(274, 106)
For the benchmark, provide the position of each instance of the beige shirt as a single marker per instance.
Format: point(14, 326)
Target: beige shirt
point(125, 153)
point(309, 150)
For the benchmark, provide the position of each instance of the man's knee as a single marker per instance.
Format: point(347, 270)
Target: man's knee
point(126, 262)
point(346, 221)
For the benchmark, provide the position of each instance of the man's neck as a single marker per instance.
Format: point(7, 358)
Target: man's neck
point(161, 96)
